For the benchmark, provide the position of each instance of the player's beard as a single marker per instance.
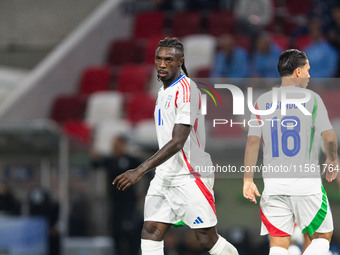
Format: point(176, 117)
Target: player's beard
point(162, 78)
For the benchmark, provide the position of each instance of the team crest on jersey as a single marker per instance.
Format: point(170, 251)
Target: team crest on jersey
point(167, 102)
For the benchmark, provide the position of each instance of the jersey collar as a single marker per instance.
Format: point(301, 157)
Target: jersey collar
point(176, 81)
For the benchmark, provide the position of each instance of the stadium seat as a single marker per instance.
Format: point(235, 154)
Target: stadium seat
point(221, 22)
point(103, 106)
point(199, 51)
point(185, 23)
point(123, 52)
point(150, 48)
point(94, 79)
point(133, 78)
point(140, 107)
point(149, 24)
point(145, 133)
point(281, 40)
point(302, 42)
point(78, 130)
point(299, 7)
point(68, 107)
point(332, 103)
point(104, 133)
point(203, 72)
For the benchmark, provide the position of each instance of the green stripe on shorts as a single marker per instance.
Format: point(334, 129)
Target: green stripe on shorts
point(178, 224)
point(319, 217)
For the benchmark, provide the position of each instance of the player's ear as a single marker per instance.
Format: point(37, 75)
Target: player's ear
point(181, 61)
point(298, 72)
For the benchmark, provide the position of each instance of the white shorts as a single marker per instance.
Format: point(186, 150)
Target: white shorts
point(312, 213)
point(193, 203)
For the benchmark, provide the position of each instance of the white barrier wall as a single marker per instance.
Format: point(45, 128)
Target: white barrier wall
point(59, 72)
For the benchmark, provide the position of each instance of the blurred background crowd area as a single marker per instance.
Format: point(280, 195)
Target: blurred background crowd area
point(77, 94)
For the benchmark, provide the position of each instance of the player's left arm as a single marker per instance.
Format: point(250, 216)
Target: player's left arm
point(331, 147)
point(250, 159)
point(180, 134)
point(323, 125)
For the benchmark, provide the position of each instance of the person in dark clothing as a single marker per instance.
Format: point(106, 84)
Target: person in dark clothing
point(41, 204)
point(125, 218)
point(8, 203)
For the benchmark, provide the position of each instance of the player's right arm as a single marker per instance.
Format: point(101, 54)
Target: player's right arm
point(331, 147)
point(180, 134)
point(250, 159)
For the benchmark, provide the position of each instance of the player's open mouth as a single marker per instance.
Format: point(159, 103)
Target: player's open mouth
point(162, 73)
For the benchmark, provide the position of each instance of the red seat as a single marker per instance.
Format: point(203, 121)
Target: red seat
point(140, 107)
point(185, 23)
point(302, 42)
point(203, 72)
point(78, 130)
point(123, 52)
point(149, 24)
point(281, 40)
point(299, 7)
point(96, 78)
point(332, 103)
point(150, 48)
point(221, 22)
point(68, 107)
point(133, 78)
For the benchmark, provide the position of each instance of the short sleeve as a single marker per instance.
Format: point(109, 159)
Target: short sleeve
point(187, 102)
point(320, 115)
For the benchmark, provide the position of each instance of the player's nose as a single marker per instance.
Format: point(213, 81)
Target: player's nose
point(162, 64)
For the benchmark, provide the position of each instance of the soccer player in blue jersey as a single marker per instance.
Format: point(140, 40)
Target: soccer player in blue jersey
point(290, 142)
point(177, 192)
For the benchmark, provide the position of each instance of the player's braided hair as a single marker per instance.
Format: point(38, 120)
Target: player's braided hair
point(178, 45)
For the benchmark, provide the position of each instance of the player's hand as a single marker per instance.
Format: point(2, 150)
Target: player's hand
point(250, 190)
point(127, 179)
point(330, 168)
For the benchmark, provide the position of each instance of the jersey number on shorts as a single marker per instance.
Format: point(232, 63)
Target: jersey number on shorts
point(290, 127)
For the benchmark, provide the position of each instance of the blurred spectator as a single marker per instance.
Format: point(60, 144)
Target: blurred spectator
point(8, 203)
point(79, 219)
point(41, 204)
point(189, 5)
point(240, 238)
point(227, 4)
point(335, 243)
point(126, 219)
point(323, 58)
point(202, 4)
point(334, 31)
point(231, 61)
point(253, 15)
point(163, 4)
point(265, 57)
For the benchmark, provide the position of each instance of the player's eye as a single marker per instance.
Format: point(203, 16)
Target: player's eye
point(169, 60)
point(158, 59)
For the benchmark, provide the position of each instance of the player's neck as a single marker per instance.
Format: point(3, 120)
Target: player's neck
point(290, 81)
point(167, 83)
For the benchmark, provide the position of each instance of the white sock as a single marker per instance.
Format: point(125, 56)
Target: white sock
point(223, 247)
point(150, 247)
point(278, 251)
point(318, 246)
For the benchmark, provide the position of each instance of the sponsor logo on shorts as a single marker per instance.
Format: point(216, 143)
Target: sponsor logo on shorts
point(198, 221)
